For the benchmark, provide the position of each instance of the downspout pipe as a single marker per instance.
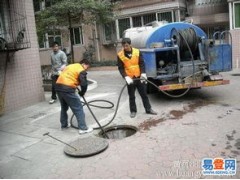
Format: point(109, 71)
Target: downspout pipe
point(97, 42)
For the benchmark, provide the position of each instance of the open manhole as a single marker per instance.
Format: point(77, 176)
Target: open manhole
point(119, 131)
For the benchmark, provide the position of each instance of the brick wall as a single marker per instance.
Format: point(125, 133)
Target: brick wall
point(23, 75)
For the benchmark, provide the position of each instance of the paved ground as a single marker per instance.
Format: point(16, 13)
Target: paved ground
point(205, 123)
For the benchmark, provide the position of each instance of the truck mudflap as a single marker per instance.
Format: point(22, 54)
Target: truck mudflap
point(169, 87)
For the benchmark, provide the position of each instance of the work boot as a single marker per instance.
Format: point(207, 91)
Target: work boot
point(133, 114)
point(151, 112)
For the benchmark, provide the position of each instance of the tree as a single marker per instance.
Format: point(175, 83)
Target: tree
point(63, 12)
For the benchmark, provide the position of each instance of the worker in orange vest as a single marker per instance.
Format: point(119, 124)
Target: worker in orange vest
point(71, 77)
point(131, 67)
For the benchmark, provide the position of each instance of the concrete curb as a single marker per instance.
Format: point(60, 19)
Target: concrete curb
point(93, 84)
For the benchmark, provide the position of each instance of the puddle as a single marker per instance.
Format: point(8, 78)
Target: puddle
point(178, 114)
point(146, 125)
point(237, 144)
point(232, 148)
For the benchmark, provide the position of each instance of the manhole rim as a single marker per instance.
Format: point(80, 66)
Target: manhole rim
point(115, 127)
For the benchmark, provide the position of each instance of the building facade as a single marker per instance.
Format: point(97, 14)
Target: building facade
point(20, 70)
point(102, 40)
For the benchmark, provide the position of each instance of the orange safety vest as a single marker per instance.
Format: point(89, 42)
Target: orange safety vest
point(69, 76)
point(131, 65)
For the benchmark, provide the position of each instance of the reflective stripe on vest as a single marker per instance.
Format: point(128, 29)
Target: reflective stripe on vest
point(131, 66)
point(69, 76)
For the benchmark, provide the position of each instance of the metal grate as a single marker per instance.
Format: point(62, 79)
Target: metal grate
point(14, 33)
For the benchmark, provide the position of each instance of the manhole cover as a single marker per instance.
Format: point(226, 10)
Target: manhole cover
point(119, 132)
point(85, 147)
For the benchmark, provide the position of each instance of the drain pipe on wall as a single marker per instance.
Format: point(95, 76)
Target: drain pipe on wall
point(97, 41)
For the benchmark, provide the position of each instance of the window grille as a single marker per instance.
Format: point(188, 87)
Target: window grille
point(137, 21)
point(123, 24)
point(54, 36)
point(148, 18)
point(109, 33)
point(14, 33)
point(144, 20)
point(165, 16)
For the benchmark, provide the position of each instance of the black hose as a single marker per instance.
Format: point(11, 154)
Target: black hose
point(103, 132)
point(89, 104)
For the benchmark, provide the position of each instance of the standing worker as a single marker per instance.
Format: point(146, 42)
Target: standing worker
point(58, 61)
point(131, 67)
point(71, 77)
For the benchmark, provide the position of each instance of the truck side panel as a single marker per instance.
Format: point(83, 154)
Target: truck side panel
point(220, 58)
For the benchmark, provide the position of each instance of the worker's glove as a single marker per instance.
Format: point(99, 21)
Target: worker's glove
point(128, 80)
point(81, 93)
point(143, 78)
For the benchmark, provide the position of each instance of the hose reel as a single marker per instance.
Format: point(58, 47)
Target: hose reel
point(183, 37)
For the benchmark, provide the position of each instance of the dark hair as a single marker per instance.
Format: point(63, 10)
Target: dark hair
point(84, 61)
point(126, 41)
point(55, 43)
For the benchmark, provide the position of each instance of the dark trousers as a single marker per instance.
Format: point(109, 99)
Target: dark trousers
point(54, 79)
point(142, 90)
point(71, 100)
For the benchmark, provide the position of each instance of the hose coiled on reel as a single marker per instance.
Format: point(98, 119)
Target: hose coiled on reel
point(188, 36)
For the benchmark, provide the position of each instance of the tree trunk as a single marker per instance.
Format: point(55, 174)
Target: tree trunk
point(71, 37)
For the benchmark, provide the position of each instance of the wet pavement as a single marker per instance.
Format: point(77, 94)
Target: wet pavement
point(203, 124)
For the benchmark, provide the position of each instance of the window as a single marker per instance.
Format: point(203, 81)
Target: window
point(123, 24)
point(149, 18)
point(165, 16)
point(36, 5)
point(77, 36)
point(109, 32)
point(42, 4)
point(49, 3)
point(236, 16)
point(137, 21)
point(50, 37)
point(54, 36)
point(142, 20)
